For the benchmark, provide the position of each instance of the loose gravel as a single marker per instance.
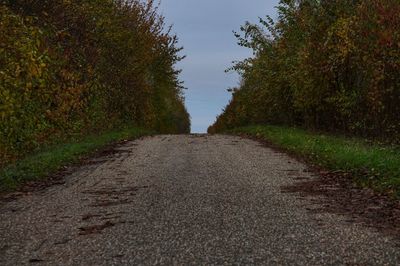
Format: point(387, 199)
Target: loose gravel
point(184, 200)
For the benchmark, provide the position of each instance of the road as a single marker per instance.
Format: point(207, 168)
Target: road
point(182, 200)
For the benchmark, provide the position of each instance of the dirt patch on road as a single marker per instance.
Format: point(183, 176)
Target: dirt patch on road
point(336, 192)
point(58, 178)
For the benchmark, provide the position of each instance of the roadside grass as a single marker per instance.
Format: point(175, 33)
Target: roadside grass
point(43, 163)
point(372, 165)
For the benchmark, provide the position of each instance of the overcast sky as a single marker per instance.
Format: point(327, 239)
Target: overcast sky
point(204, 28)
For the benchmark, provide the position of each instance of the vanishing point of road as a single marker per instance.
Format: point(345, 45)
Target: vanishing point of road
point(184, 200)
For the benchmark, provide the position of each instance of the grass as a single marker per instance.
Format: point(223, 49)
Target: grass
point(372, 165)
point(47, 161)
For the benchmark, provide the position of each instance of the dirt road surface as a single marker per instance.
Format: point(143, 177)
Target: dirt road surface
point(184, 200)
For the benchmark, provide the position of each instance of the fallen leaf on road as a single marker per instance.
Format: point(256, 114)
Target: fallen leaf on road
point(95, 229)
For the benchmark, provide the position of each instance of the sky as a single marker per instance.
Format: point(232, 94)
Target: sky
point(204, 28)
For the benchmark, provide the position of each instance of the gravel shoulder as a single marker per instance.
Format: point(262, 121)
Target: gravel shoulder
point(193, 199)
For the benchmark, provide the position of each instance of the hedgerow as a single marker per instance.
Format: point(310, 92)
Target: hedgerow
point(69, 68)
point(324, 65)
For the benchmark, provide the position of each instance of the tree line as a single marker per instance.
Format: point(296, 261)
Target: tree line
point(73, 67)
point(323, 65)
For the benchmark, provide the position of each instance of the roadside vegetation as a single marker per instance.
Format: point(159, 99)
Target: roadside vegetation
point(372, 165)
point(78, 75)
point(69, 69)
point(324, 66)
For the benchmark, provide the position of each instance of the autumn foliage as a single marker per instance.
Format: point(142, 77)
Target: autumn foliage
point(325, 65)
point(71, 67)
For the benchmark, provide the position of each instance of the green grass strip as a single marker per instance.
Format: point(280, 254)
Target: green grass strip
point(45, 162)
point(373, 165)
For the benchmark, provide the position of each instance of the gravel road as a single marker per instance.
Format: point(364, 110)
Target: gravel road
point(183, 200)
